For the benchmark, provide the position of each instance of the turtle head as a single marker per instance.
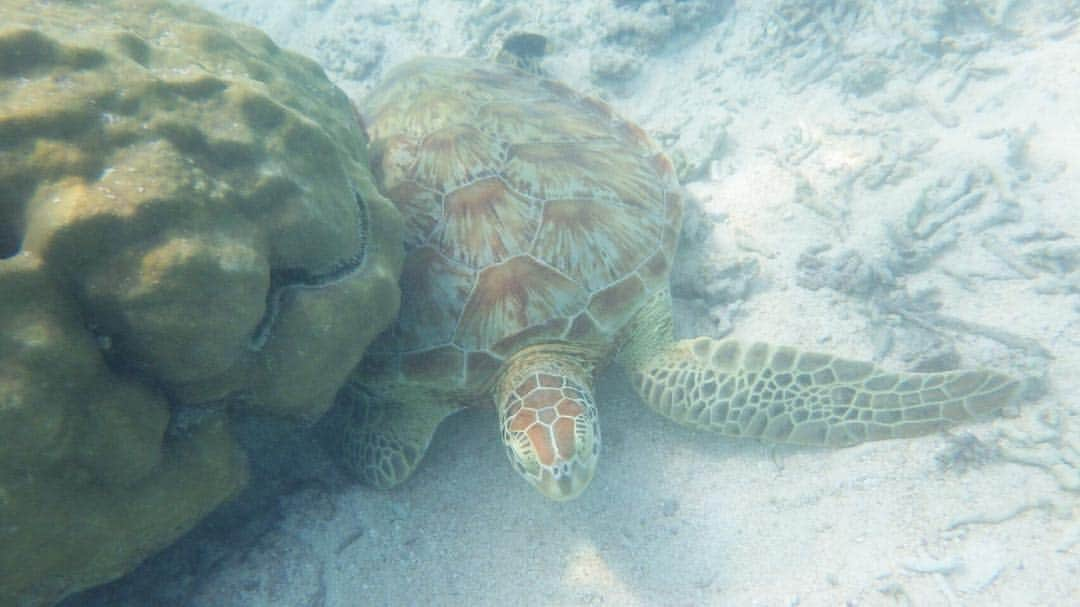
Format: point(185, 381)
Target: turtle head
point(551, 434)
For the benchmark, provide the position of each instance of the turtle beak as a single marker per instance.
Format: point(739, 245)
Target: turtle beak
point(566, 482)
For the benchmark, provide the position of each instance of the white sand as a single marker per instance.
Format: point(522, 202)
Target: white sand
point(802, 129)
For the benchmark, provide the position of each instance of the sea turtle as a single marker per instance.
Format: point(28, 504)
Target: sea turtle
point(541, 229)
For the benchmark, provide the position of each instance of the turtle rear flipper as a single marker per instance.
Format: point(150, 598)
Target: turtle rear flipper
point(382, 441)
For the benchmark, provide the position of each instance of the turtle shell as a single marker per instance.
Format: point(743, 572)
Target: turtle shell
point(533, 214)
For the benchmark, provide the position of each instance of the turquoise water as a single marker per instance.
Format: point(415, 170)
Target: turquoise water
point(889, 183)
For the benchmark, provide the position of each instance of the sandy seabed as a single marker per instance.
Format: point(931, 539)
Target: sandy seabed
point(899, 184)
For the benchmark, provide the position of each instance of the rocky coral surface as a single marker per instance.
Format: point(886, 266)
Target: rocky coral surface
point(186, 222)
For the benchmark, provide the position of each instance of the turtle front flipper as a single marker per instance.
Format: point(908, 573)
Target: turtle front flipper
point(382, 441)
point(548, 419)
point(784, 395)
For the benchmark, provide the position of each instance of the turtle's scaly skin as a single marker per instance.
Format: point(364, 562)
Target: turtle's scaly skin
point(540, 231)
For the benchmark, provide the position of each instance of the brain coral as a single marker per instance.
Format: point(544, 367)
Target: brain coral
point(186, 220)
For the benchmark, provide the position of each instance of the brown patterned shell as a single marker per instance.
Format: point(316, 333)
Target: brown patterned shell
point(533, 214)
